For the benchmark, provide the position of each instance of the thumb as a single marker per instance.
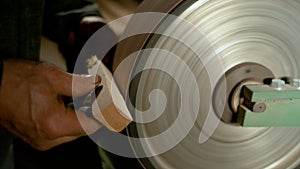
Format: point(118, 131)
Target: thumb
point(82, 84)
point(73, 85)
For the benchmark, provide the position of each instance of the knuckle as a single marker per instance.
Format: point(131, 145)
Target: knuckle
point(47, 66)
point(48, 69)
point(50, 130)
point(54, 75)
point(41, 88)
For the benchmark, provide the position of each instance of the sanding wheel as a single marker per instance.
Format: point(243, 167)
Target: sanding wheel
point(251, 41)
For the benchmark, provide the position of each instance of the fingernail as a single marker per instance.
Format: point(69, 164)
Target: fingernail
point(98, 80)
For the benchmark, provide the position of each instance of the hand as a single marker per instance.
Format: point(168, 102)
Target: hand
point(31, 108)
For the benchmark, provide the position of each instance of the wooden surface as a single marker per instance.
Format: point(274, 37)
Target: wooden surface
point(114, 9)
point(109, 108)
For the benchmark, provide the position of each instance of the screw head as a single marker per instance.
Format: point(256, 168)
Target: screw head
point(278, 84)
point(296, 83)
point(259, 107)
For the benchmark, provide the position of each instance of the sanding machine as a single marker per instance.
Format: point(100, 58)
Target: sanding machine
point(220, 79)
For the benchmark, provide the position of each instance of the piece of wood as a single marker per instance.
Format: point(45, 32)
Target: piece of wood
point(109, 107)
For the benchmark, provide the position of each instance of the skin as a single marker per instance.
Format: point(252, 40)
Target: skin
point(31, 108)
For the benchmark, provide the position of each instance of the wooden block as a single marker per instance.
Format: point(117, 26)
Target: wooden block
point(109, 107)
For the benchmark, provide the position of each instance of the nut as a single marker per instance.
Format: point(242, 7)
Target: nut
point(296, 83)
point(278, 84)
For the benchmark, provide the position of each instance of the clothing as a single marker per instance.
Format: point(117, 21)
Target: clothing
point(20, 28)
point(19, 39)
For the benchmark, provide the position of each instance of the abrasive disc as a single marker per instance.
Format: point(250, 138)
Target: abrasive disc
point(262, 34)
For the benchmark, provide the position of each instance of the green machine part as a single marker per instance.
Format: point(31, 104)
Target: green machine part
point(266, 106)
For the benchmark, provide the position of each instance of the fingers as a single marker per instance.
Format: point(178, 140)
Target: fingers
point(66, 122)
point(67, 128)
point(44, 145)
point(71, 124)
point(68, 84)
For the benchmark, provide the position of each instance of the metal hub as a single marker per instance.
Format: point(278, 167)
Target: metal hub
point(234, 80)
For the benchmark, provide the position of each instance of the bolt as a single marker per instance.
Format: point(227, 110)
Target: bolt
point(259, 107)
point(296, 83)
point(278, 84)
